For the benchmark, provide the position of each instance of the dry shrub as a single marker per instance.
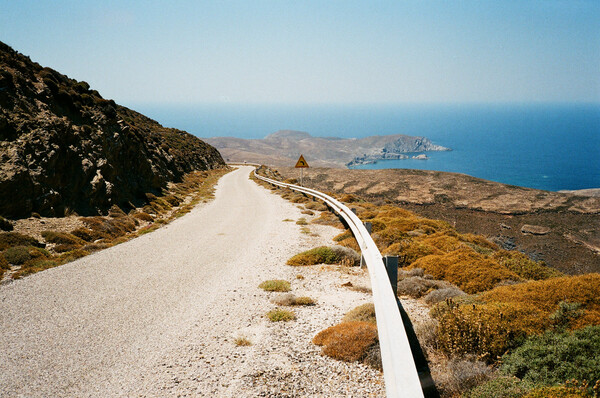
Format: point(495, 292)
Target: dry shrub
point(242, 342)
point(347, 341)
point(507, 314)
point(85, 234)
point(443, 294)
point(405, 273)
point(425, 332)
point(308, 212)
point(9, 239)
point(470, 271)
point(486, 330)
point(62, 238)
point(17, 255)
point(115, 211)
point(93, 247)
point(416, 286)
point(35, 265)
point(525, 267)
point(298, 198)
point(478, 240)
point(279, 315)
point(291, 300)
point(442, 242)
point(301, 221)
point(362, 313)
point(343, 236)
point(350, 243)
point(410, 250)
point(328, 218)
point(325, 255)
point(144, 216)
point(3, 263)
point(373, 357)
point(348, 198)
point(275, 285)
point(459, 376)
point(109, 228)
point(314, 205)
point(66, 247)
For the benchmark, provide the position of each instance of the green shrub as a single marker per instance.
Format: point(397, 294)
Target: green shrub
point(275, 285)
point(556, 357)
point(501, 387)
point(279, 315)
point(17, 255)
point(557, 392)
point(9, 239)
point(5, 225)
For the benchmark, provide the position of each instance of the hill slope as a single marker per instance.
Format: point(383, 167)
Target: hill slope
point(284, 147)
point(65, 148)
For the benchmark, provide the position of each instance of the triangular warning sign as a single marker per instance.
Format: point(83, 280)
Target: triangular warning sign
point(301, 163)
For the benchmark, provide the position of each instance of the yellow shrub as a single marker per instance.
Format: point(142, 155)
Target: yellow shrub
point(409, 251)
point(525, 267)
point(545, 296)
point(443, 242)
point(470, 271)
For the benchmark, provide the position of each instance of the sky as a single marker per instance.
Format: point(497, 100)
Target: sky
point(312, 52)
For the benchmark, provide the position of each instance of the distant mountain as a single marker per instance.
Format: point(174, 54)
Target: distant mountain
point(64, 147)
point(283, 148)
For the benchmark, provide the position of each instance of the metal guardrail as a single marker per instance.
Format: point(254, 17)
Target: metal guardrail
point(399, 370)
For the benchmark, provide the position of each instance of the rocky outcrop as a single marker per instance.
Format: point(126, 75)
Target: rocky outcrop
point(65, 148)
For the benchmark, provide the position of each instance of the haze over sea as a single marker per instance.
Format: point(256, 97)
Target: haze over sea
point(549, 147)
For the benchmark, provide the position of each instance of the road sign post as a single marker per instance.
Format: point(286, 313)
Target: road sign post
point(301, 164)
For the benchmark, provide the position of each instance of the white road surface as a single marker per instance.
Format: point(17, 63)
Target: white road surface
point(117, 322)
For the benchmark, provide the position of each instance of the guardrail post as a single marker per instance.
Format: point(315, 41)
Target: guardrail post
point(391, 266)
point(369, 226)
point(353, 210)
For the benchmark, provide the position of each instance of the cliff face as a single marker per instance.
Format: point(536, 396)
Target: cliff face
point(65, 148)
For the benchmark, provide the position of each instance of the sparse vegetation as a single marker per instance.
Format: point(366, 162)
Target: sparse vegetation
point(275, 285)
point(302, 221)
point(280, 315)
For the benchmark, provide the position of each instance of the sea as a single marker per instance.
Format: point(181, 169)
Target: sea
point(544, 146)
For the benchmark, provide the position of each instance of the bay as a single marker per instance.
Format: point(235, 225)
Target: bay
point(543, 146)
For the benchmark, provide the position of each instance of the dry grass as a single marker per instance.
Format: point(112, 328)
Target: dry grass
point(10, 239)
point(457, 376)
point(280, 315)
point(275, 285)
point(348, 341)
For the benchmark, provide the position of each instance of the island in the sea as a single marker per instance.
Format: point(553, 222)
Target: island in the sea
point(284, 147)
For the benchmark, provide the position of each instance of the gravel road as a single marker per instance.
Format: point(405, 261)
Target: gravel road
point(157, 316)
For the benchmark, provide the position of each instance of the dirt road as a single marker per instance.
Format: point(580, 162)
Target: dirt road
point(115, 323)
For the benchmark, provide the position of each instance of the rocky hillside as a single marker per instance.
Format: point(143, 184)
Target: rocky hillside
point(284, 147)
point(64, 148)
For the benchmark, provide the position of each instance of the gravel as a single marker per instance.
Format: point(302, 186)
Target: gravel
point(158, 316)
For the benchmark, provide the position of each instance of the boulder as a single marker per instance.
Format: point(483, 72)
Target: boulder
point(534, 230)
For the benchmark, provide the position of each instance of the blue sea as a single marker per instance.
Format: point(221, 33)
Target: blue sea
point(550, 147)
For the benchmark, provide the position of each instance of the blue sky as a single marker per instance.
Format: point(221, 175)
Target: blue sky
point(316, 51)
